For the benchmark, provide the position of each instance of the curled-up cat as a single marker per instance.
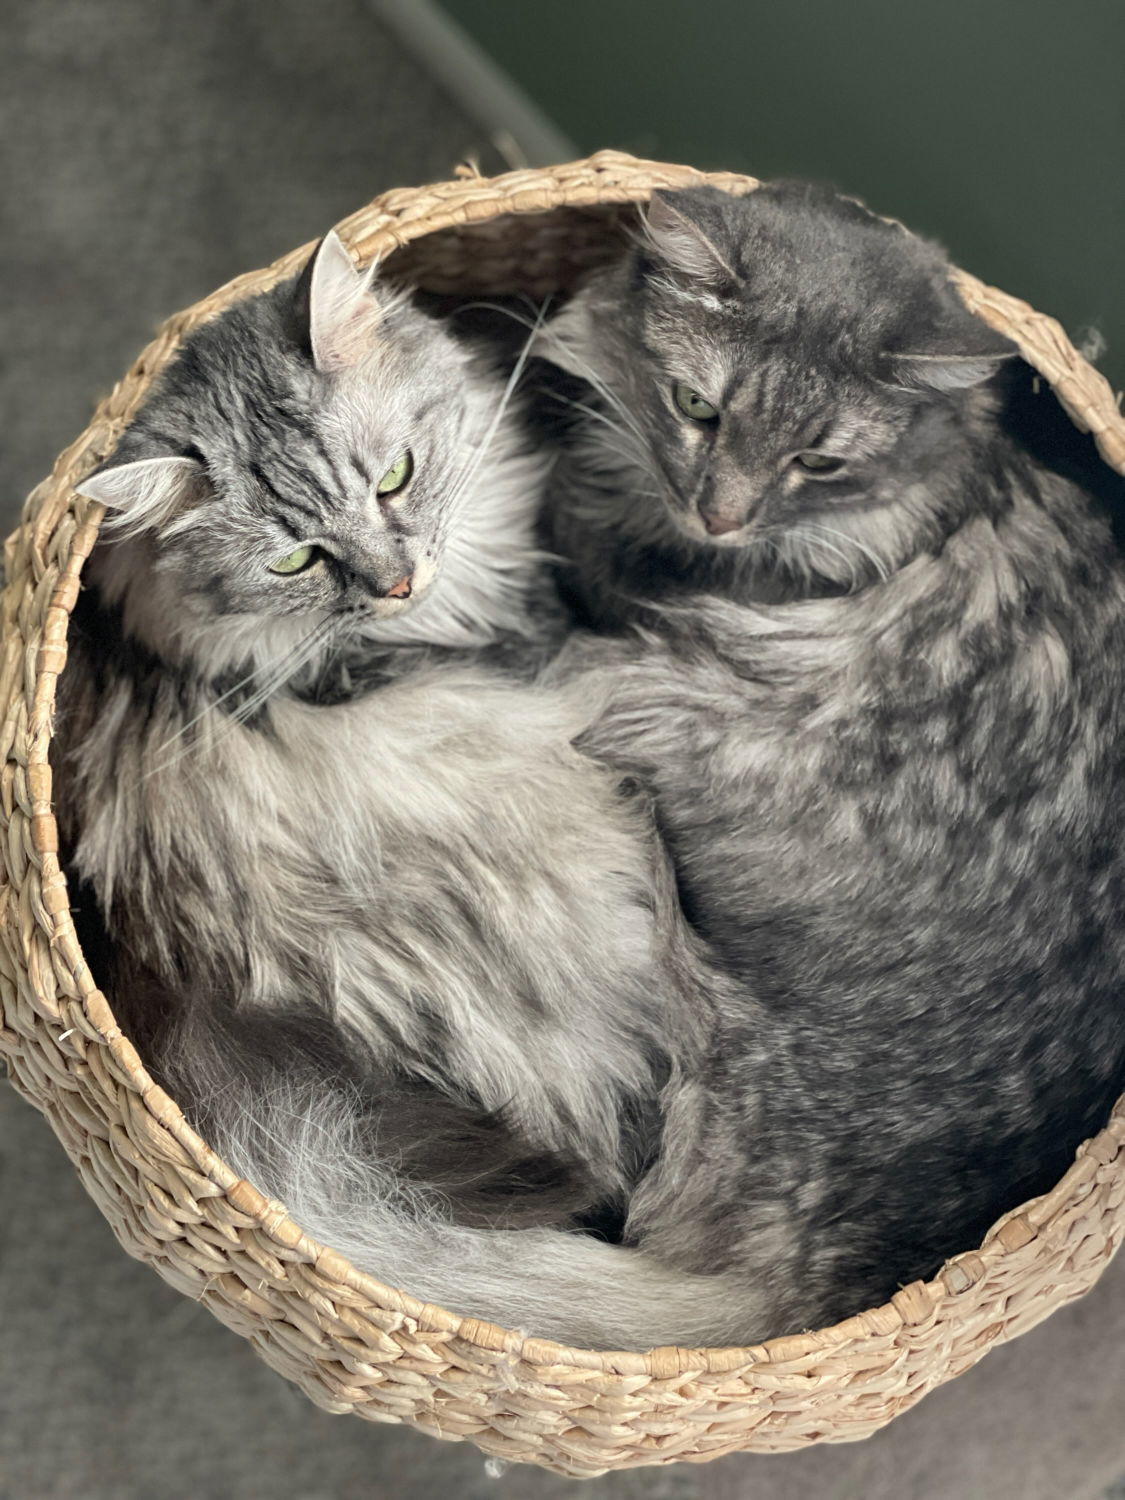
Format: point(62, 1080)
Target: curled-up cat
point(317, 824)
point(863, 606)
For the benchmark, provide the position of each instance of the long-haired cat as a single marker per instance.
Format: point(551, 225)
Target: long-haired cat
point(878, 694)
point(365, 878)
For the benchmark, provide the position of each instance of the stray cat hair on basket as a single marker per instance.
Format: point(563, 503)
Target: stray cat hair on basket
point(864, 612)
point(356, 879)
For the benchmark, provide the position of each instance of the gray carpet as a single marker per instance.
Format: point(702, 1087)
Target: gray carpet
point(154, 151)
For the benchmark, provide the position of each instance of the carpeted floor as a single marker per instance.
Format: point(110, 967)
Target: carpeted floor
point(154, 151)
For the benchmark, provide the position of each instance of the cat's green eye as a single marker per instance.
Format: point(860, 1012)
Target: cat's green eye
point(692, 404)
point(297, 561)
point(818, 463)
point(397, 476)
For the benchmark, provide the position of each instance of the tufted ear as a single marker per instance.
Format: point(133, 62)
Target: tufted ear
point(147, 494)
point(680, 229)
point(335, 304)
point(963, 353)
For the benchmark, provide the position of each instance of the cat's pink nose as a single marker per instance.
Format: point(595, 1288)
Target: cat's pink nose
point(719, 525)
point(401, 589)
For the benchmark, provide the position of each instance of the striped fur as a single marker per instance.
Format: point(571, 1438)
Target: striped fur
point(883, 721)
point(309, 807)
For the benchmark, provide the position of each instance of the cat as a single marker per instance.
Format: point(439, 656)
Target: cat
point(856, 618)
point(357, 878)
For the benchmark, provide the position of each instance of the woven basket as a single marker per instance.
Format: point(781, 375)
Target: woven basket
point(350, 1343)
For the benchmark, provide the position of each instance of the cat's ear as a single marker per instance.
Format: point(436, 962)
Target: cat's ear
point(339, 315)
point(952, 358)
point(677, 227)
point(145, 495)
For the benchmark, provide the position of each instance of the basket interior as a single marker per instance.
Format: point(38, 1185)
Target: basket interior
point(534, 255)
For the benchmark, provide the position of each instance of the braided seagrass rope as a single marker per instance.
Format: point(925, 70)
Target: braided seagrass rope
point(351, 1343)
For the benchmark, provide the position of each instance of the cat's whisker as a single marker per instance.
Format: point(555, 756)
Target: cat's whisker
point(237, 687)
point(208, 708)
point(827, 531)
point(806, 535)
point(876, 561)
point(641, 453)
point(614, 402)
point(468, 474)
point(589, 374)
point(297, 657)
point(285, 671)
point(634, 447)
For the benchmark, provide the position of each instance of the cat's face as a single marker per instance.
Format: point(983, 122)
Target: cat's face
point(303, 455)
point(782, 366)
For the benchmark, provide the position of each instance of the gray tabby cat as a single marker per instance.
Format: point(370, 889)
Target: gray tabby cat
point(879, 696)
point(373, 924)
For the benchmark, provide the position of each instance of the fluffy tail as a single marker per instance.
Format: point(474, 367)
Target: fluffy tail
point(423, 1192)
point(314, 1153)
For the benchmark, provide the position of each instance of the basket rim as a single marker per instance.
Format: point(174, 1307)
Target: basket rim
point(390, 222)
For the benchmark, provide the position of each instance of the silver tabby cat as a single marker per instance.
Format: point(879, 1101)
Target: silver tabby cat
point(879, 697)
point(357, 896)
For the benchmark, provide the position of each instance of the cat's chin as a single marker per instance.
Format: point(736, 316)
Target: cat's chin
point(390, 609)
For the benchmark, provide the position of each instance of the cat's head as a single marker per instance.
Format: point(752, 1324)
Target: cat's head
point(303, 454)
point(785, 366)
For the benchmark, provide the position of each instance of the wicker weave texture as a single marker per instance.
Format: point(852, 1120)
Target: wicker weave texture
point(349, 1342)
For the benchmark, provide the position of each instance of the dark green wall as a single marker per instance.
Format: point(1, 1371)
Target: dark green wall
point(998, 127)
